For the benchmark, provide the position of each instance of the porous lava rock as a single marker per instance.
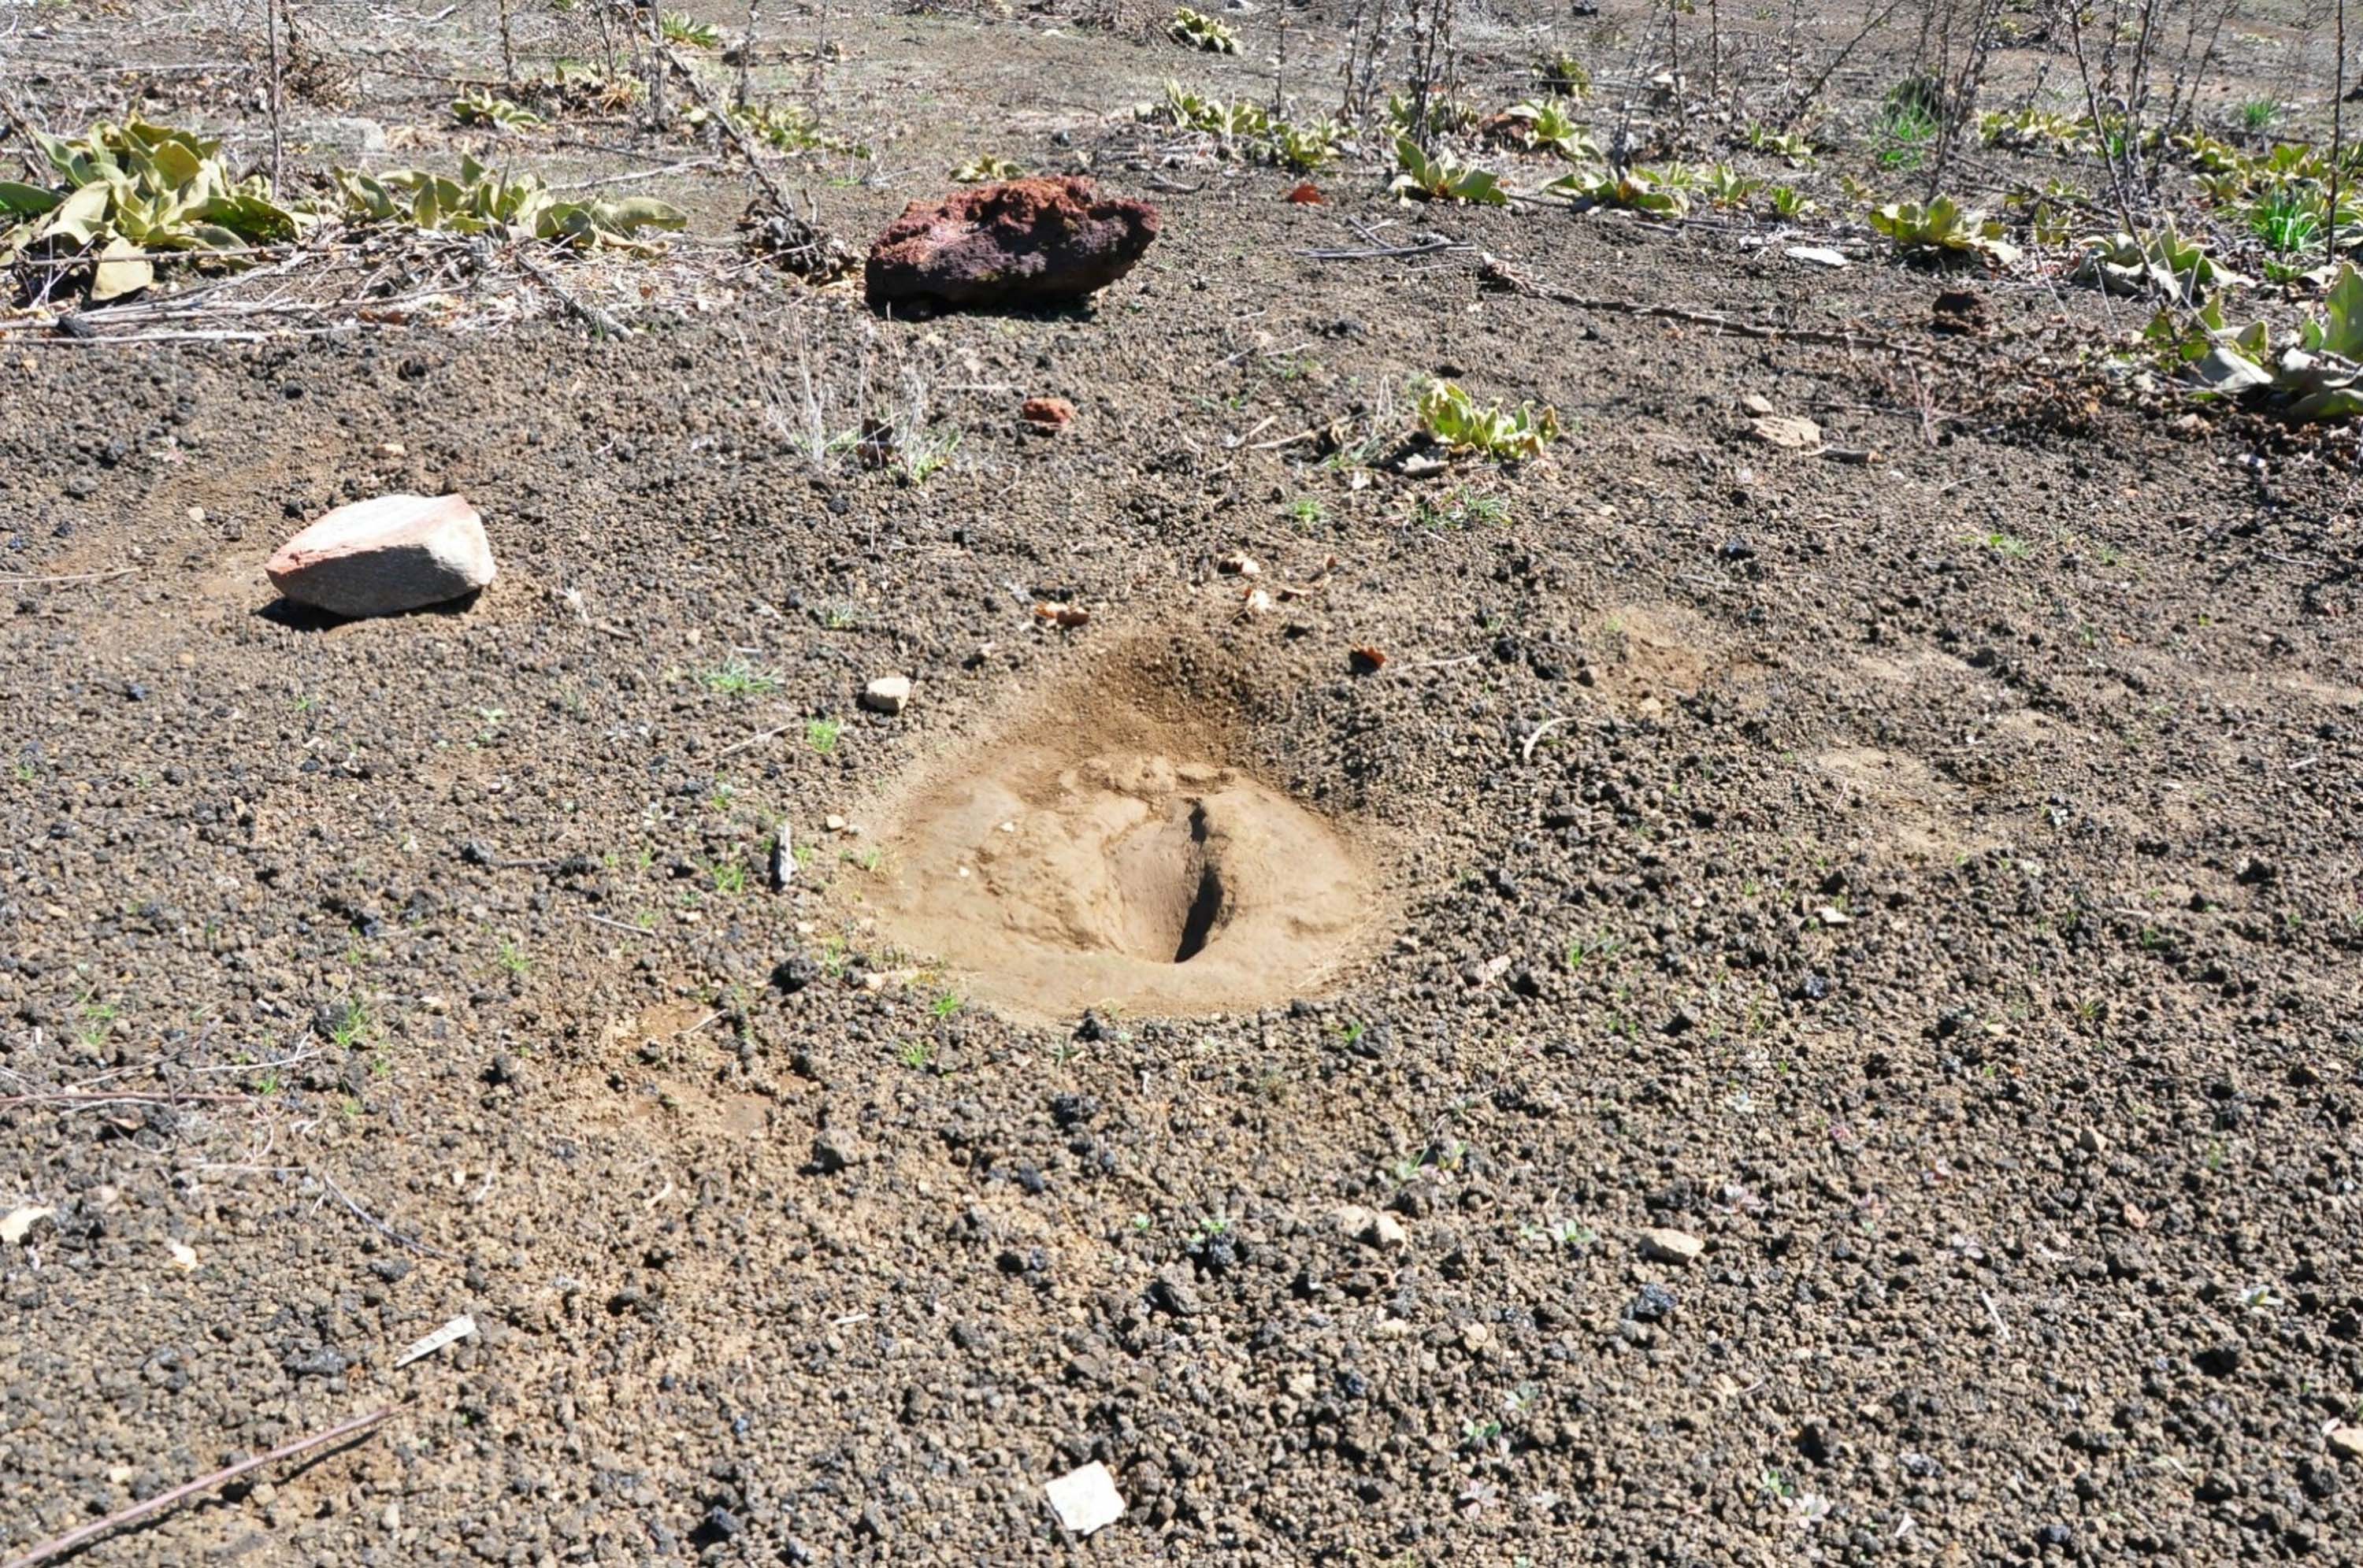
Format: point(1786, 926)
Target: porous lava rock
point(1018, 243)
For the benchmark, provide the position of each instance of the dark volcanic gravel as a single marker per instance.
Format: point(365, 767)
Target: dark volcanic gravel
point(1933, 884)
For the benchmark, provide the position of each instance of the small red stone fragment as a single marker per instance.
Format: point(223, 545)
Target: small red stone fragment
point(1306, 195)
point(1048, 414)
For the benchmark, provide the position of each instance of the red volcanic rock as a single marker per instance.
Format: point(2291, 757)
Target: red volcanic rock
point(1050, 414)
point(1024, 242)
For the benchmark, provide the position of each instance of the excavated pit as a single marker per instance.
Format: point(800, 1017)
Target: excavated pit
point(1057, 875)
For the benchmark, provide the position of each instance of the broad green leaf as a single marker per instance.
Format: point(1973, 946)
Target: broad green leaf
point(643, 212)
point(29, 201)
point(81, 216)
point(122, 269)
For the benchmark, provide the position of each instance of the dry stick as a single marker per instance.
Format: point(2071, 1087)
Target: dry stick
point(680, 168)
point(753, 740)
point(2337, 138)
point(509, 48)
point(659, 60)
point(1429, 248)
point(1535, 736)
point(746, 48)
point(58, 1546)
point(16, 581)
point(1814, 89)
point(374, 1223)
point(270, 24)
point(601, 323)
point(1501, 277)
point(87, 1097)
point(737, 137)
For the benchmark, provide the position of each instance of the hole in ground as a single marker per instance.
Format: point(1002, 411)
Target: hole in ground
point(1167, 880)
point(1104, 857)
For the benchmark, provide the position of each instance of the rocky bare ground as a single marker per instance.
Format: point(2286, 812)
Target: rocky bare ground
point(1856, 1061)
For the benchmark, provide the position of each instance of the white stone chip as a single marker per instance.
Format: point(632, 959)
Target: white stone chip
point(1086, 1500)
point(459, 1328)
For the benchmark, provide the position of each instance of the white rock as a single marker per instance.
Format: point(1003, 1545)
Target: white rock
point(1374, 1226)
point(19, 1222)
point(386, 556)
point(1086, 1500)
point(887, 694)
point(2346, 1442)
point(1787, 431)
point(1678, 1247)
point(1817, 254)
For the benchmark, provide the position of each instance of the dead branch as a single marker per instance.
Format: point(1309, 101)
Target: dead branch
point(1495, 274)
point(58, 1546)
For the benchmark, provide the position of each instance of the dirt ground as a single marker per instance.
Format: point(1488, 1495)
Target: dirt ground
point(1928, 881)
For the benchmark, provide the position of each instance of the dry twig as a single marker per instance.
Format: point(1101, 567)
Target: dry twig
point(58, 1546)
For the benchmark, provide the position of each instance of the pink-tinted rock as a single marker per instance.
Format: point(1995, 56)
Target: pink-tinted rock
point(1021, 243)
point(385, 556)
point(1048, 414)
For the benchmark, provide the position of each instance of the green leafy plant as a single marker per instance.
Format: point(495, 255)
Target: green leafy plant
point(985, 166)
point(1726, 187)
point(1791, 146)
point(1657, 192)
point(1545, 125)
point(738, 678)
point(1440, 177)
point(1563, 75)
point(679, 29)
point(579, 85)
point(95, 1021)
point(2033, 130)
point(2166, 263)
point(821, 734)
point(1908, 123)
point(124, 193)
point(351, 1023)
point(2257, 114)
point(1943, 234)
point(1304, 146)
point(788, 128)
point(1196, 112)
point(2319, 377)
point(1201, 32)
point(1454, 419)
point(1789, 203)
point(1436, 115)
point(2290, 218)
point(481, 108)
point(1461, 509)
point(483, 202)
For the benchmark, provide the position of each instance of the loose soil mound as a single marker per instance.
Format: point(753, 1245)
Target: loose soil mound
point(1100, 860)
